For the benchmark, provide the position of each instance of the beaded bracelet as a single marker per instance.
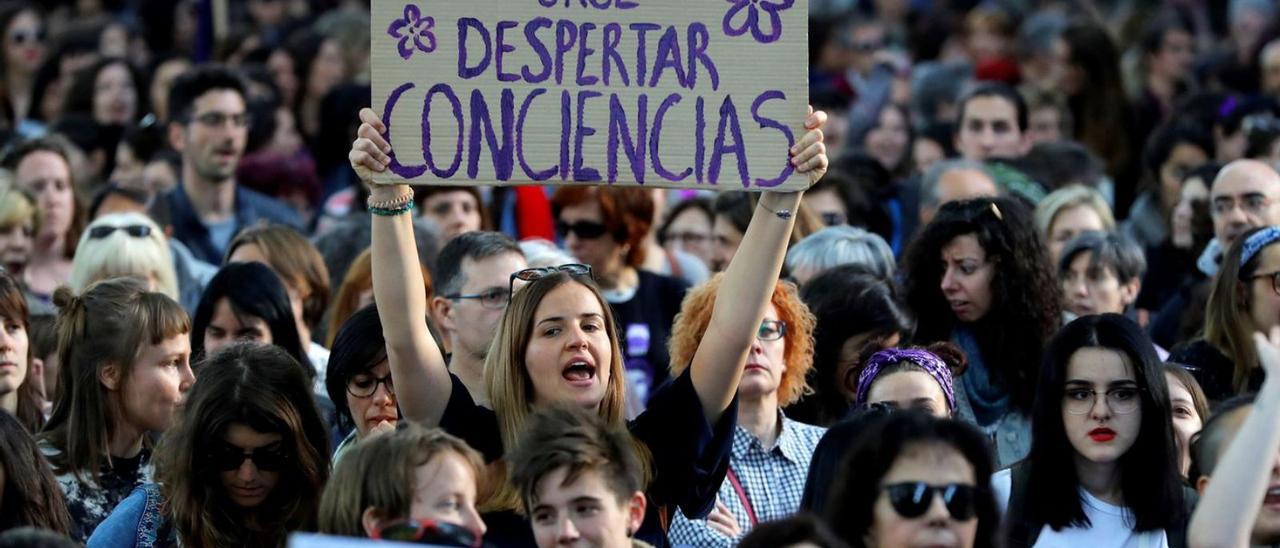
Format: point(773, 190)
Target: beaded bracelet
point(394, 203)
point(391, 211)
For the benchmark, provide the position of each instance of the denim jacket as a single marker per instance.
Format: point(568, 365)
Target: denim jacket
point(137, 522)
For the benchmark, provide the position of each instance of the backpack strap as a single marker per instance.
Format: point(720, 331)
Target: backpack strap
point(1019, 532)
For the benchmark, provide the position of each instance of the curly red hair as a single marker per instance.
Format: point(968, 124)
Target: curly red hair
point(695, 315)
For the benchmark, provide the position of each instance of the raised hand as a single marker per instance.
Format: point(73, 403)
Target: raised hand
point(369, 152)
point(809, 154)
point(1268, 347)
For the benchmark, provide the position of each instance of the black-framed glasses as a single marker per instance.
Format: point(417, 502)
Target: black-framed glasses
point(912, 499)
point(1253, 203)
point(427, 531)
point(587, 230)
point(363, 385)
point(1121, 400)
point(21, 37)
point(771, 330)
point(269, 458)
point(535, 274)
point(218, 119)
point(1275, 279)
point(102, 231)
point(495, 298)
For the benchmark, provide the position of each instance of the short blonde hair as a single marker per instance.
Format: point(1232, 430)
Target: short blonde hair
point(1068, 197)
point(17, 207)
point(121, 254)
point(695, 315)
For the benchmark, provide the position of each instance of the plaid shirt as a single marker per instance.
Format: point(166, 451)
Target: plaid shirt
point(772, 478)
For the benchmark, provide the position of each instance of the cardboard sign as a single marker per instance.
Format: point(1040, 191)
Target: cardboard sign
point(667, 93)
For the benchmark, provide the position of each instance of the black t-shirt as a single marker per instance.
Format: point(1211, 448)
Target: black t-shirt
point(689, 456)
point(644, 325)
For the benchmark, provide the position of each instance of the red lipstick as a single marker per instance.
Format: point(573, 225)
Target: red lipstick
point(1102, 435)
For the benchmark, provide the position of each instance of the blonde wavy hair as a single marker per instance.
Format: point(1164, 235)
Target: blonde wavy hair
point(695, 315)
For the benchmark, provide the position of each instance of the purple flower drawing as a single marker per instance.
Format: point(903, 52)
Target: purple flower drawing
point(413, 27)
point(759, 16)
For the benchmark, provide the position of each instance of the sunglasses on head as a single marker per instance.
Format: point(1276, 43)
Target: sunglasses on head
point(912, 499)
point(583, 229)
point(270, 458)
point(102, 231)
point(534, 274)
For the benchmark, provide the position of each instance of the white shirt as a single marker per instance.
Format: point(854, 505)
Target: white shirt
point(319, 357)
point(1111, 528)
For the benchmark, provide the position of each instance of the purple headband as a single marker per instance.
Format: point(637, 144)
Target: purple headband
point(930, 362)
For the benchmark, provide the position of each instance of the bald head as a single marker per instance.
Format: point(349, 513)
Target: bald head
point(951, 181)
point(1245, 195)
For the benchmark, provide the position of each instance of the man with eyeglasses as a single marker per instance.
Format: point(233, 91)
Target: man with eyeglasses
point(1245, 195)
point(473, 273)
point(210, 127)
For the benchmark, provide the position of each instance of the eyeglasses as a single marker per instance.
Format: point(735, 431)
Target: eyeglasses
point(21, 37)
point(427, 530)
point(912, 499)
point(1120, 401)
point(583, 229)
point(218, 119)
point(271, 458)
point(102, 231)
point(1254, 203)
point(363, 385)
point(1275, 280)
point(834, 219)
point(771, 330)
point(496, 298)
point(535, 274)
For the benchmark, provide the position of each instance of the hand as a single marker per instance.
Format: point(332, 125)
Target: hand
point(369, 152)
point(384, 427)
point(809, 155)
point(1268, 347)
point(721, 520)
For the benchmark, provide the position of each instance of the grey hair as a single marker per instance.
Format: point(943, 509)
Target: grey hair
point(840, 245)
point(1107, 249)
point(540, 253)
point(929, 183)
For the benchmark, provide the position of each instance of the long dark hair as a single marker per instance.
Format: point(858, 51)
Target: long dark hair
point(251, 289)
point(264, 388)
point(13, 305)
point(879, 446)
point(1100, 108)
point(1150, 480)
point(358, 347)
point(847, 301)
point(1025, 308)
point(31, 496)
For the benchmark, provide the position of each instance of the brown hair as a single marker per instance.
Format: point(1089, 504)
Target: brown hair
point(562, 437)
point(359, 279)
point(627, 213)
point(695, 315)
point(58, 145)
point(1198, 400)
point(263, 387)
point(380, 473)
point(13, 305)
point(422, 193)
point(1227, 323)
point(125, 317)
point(30, 496)
point(295, 260)
point(507, 377)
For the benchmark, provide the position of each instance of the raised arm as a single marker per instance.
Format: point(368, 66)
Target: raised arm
point(749, 282)
point(1233, 499)
point(422, 380)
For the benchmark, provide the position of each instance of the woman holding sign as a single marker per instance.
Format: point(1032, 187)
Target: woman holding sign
point(558, 345)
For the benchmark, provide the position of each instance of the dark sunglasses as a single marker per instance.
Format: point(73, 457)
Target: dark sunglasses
point(534, 274)
point(583, 229)
point(427, 532)
point(102, 231)
point(271, 458)
point(912, 499)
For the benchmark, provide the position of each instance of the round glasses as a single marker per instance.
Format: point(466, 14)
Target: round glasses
point(1121, 401)
point(771, 330)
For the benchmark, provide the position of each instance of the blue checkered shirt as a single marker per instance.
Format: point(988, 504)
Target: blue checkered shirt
point(773, 479)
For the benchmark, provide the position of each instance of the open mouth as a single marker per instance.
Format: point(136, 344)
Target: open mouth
point(579, 372)
point(1272, 498)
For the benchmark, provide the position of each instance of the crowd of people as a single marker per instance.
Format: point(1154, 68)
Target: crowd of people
point(1032, 297)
